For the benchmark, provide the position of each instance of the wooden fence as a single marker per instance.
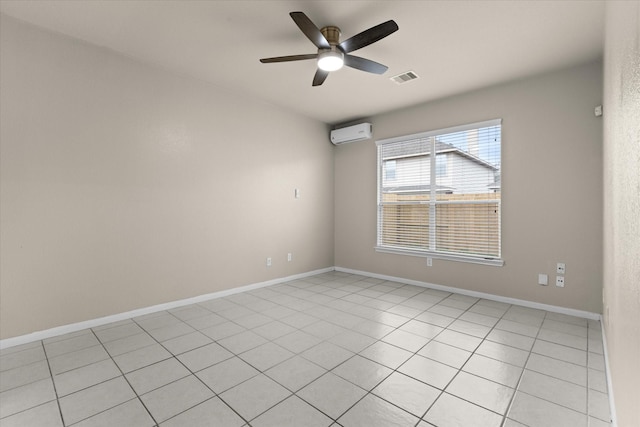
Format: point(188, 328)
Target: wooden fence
point(465, 223)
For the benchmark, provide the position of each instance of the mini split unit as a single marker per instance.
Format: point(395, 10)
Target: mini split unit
point(351, 133)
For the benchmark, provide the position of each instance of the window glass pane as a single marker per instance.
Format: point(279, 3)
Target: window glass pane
point(441, 165)
point(406, 225)
point(458, 213)
point(471, 229)
point(389, 171)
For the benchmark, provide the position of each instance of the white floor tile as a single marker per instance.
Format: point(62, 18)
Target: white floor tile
point(429, 371)
point(444, 353)
point(176, 397)
point(86, 376)
point(45, 415)
point(131, 413)
point(93, 400)
point(25, 397)
point(227, 374)
point(255, 396)
point(373, 411)
point(290, 413)
point(488, 394)
point(295, 373)
point(362, 372)
point(157, 375)
point(554, 390)
point(212, 412)
point(535, 412)
point(205, 356)
point(450, 411)
point(494, 370)
point(355, 350)
point(331, 394)
point(409, 394)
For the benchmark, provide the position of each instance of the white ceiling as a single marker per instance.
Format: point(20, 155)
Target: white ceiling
point(454, 46)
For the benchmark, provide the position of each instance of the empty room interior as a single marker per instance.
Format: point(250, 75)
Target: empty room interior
point(320, 213)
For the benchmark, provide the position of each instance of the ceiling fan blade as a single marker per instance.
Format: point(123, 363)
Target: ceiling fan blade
point(364, 64)
point(310, 30)
point(289, 58)
point(369, 36)
point(320, 77)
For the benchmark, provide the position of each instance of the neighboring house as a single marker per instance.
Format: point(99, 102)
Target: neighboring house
point(457, 171)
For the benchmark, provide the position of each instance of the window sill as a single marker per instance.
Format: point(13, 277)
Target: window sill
point(496, 262)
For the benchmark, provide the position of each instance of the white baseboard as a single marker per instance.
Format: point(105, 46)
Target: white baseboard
point(612, 406)
point(524, 303)
point(74, 327)
point(61, 330)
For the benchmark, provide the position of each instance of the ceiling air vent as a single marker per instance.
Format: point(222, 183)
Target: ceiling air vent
point(404, 77)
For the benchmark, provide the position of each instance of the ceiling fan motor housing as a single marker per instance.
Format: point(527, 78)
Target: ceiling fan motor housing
point(332, 34)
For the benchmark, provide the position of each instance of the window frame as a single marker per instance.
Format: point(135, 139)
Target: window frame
point(477, 259)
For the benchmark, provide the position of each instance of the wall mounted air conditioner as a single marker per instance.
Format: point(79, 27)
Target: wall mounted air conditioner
point(351, 133)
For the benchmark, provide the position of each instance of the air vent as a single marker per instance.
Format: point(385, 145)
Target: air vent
point(404, 77)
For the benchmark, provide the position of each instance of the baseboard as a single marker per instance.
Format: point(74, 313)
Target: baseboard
point(612, 406)
point(65, 329)
point(74, 327)
point(524, 303)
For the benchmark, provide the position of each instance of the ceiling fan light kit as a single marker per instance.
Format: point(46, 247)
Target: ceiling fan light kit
point(330, 60)
point(332, 54)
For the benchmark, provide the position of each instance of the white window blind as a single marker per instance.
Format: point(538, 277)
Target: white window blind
point(443, 197)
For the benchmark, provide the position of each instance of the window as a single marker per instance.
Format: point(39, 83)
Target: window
point(442, 198)
point(441, 165)
point(390, 170)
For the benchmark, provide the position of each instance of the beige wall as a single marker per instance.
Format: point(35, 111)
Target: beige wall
point(552, 189)
point(622, 206)
point(123, 186)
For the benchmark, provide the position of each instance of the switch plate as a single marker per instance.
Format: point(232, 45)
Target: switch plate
point(289, 256)
point(560, 281)
point(268, 262)
point(297, 193)
point(429, 262)
point(561, 268)
point(543, 279)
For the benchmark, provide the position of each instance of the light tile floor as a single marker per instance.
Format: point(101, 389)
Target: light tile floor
point(334, 349)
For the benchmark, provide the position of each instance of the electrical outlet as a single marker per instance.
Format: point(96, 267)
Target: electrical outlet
point(543, 279)
point(560, 281)
point(268, 262)
point(429, 262)
point(561, 268)
point(297, 193)
point(289, 257)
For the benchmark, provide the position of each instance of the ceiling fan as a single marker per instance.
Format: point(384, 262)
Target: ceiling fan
point(333, 54)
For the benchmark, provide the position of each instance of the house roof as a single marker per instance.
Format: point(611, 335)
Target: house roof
point(422, 147)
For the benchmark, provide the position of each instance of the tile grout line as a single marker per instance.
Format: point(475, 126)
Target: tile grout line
point(464, 364)
point(55, 389)
point(524, 368)
point(312, 295)
point(191, 373)
point(126, 379)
